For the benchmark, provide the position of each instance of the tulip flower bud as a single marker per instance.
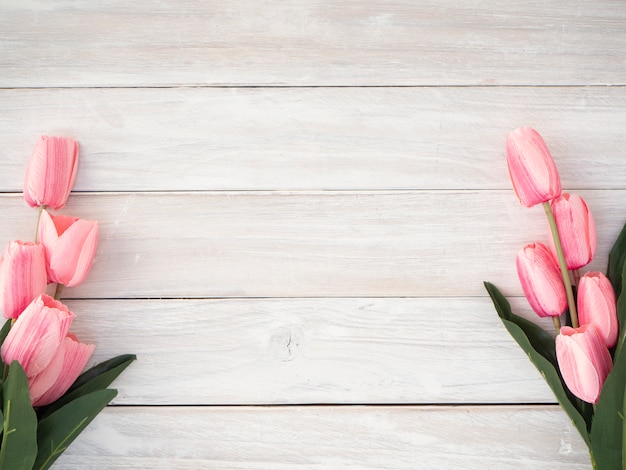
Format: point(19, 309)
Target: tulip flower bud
point(37, 334)
point(22, 276)
point(61, 373)
point(532, 170)
point(541, 280)
point(51, 172)
point(576, 228)
point(70, 245)
point(584, 361)
point(597, 306)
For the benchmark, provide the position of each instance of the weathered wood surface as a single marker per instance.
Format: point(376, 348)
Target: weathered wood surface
point(303, 244)
point(327, 438)
point(302, 351)
point(314, 138)
point(299, 202)
point(312, 43)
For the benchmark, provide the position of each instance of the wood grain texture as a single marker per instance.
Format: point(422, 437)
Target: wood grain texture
point(321, 244)
point(315, 138)
point(303, 42)
point(342, 351)
point(325, 438)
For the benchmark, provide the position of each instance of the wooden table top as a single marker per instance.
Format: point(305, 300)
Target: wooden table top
point(298, 204)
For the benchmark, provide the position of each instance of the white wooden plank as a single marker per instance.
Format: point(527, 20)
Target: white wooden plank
point(314, 138)
point(275, 351)
point(339, 244)
point(303, 42)
point(325, 438)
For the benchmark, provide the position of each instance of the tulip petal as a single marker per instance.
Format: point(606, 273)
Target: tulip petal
point(576, 230)
point(597, 305)
point(75, 357)
point(22, 276)
point(584, 361)
point(40, 383)
point(541, 280)
point(72, 254)
point(532, 170)
point(51, 172)
point(37, 334)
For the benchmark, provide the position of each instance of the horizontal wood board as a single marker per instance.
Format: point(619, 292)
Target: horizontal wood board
point(309, 244)
point(325, 438)
point(314, 138)
point(295, 351)
point(311, 43)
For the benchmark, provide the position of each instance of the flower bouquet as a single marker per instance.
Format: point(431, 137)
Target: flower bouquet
point(584, 363)
point(46, 401)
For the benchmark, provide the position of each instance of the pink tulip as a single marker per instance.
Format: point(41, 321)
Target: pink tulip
point(70, 247)
point(541, 280)
point(584, 361)
point(576, 228)
point(67, 364)
point(22, 276)
point(532, 170)
point(51, 172)
point(37, 334)
point(597, 306)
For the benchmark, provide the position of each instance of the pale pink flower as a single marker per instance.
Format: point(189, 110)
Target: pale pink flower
point(70, 245)
point(22, 276)
point(584, 361)
point(67, 364)
point(51, 172)
point(597, 305)
point(576, 228)
point(541, 280)
point(37, 334)
point(532, 170)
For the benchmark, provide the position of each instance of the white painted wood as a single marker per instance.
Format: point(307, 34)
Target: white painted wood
point(327, 438)
point(322, 238)
point(314, 138)
point(319, 244)
point(304, 42)
point(275, 351)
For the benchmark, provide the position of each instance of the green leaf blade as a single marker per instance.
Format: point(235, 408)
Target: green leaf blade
point(539, 346)
point(58, 430)
point(617, 258)
point(607, 431)
point(19, 437)
point(98, 377)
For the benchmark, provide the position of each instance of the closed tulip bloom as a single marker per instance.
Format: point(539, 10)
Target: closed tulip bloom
point(51, 172)
point(597, 305)
point(22, 276)
point(63, 370)
point(577, 229)
point(70, 246)
point(532, 170)
point(37, 334)
point(541, 280)
point(584, 361)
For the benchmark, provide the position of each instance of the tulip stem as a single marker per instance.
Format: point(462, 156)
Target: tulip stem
point(41, 209)
point(58, 292)
point(561, 257)
point(557, 324)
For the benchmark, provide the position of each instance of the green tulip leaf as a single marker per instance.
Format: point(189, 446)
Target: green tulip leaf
point(608, 426)
point(617, 257)
point(58, 430)
point(539, 346)
point(19, 433)
point(98, 377)
point(621, 317)
point(99, 369)
point(3, 334)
